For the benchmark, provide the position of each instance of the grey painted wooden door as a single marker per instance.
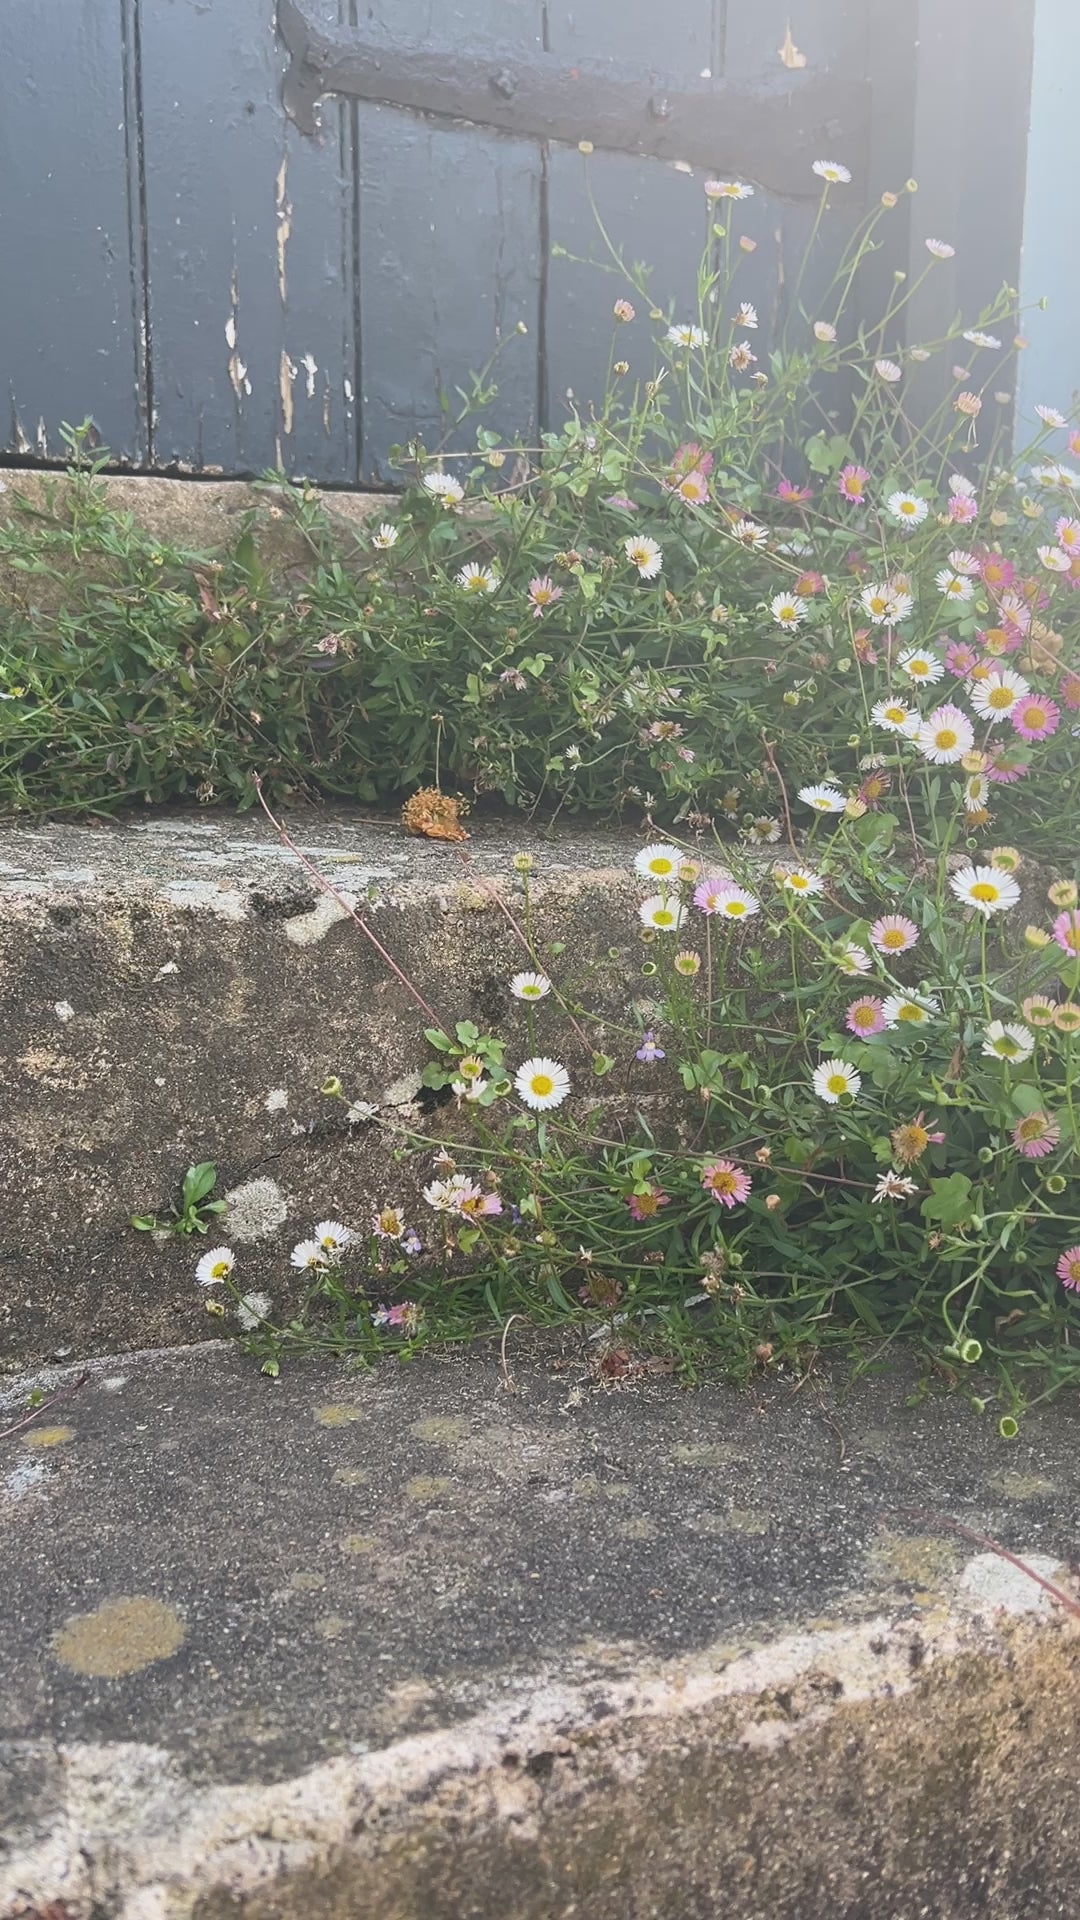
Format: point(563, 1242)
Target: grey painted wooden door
point(224, 291)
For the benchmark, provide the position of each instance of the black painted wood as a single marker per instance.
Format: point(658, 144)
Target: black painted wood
point(251, 253)
point(71, 290)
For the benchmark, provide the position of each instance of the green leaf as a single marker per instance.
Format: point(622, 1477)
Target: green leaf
point(198, 1182)
point(435, 1037)
point(949, 1200)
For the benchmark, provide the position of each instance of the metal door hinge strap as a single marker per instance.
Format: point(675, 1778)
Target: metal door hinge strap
point(769, 133)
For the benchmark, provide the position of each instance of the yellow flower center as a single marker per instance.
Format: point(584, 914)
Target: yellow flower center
point(735, 907)
point(663, 917)
point(1001, 699)
point(918, 667)
point(1034, 716)
point(907, 506)
point(985, 890)
point(909, 1011)
point(946, 738)
point(897, 714)
point(865, 1016)
point(219, 1269)
point(531, 992)
point(542, 1084)
point(837, 1083)
point(892, 939)
point(661, 866)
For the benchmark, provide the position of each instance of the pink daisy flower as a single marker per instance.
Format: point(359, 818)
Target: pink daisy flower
point(1035, 718)
point(643, 1206)
point(893, 933)
point(865, 1016)
point(1066, 931)
point(725, 1182)
point(996, 572)
point(795, 496)
point(543, 594)
point(689, 458)
point(809, 583)
point(851, 481)
point(1068, 1269)
point(961, 658)
point(692, 487)
point(1036, 1135)
point(1069, 689)
point(1003, 767)
point(962, 509)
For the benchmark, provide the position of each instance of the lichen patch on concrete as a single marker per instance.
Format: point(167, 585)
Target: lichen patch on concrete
point(121, 1636)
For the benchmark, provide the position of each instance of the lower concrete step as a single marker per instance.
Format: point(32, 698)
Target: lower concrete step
point(459, 1641)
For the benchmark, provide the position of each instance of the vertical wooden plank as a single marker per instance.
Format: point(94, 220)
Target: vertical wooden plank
point(450, 258)
point(651, 212)
point(250, 251)
point(70, 270)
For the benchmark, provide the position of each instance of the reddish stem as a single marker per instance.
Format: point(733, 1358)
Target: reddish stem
point(287, 841)
point(64, 1393)
point(993, 1546)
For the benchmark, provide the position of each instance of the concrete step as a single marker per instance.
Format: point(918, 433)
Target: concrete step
point(446, 1642)
point(177, 989)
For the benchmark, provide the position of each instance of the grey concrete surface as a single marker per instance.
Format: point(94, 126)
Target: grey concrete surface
point(177, 989)
point(420, 1643)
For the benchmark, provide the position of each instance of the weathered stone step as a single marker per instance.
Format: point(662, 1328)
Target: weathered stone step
point(415, 1646)
point(177, 990)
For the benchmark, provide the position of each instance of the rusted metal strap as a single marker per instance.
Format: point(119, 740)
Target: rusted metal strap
point(769, 133)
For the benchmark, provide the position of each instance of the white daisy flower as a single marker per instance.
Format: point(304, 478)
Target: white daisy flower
point(893, 1186)
point(888, 370)
point(727, 190)
point(824, 331)
point(995, 697)
point(909, 1009)
point(921, 665)
point(1008, 1041)
point(333, 1237)
point(987, 889)
point(643, 553)
point(908, 508)
point(215, 1266)
point(1050, 417)
point(474, 578)
point(385, 535)
point(961, 561)
point(687, 336)
point(976, 793)
point(388, 1223)
point(801, 880)
point(361, 1113)
point(307, 1256)
point(663, 911)
point(445, 488)
point(885, 604)
point(542, 1084)
point(748, 533)
point(764, 830)
point(746, 316)
point(958, 484)
point(945, 737)
point(660, 862)
point(835, 1078)
point(787, 610)
point(954, 586)
point(252, 1308)
point(833, 172)
point(530, 986)
point(741, 357)
point(1054, 560)
point(979, 339)
point(733, 903)
point(941, 249)
point(896, 717)
point(854, 960)
point(823, 798)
